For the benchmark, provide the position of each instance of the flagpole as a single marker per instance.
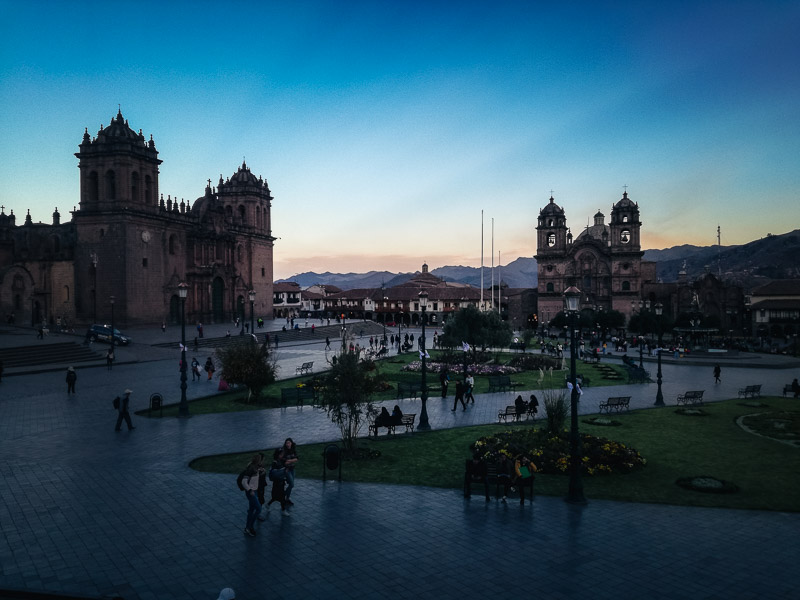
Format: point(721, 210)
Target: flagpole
point(492, 294)
point(481, 307)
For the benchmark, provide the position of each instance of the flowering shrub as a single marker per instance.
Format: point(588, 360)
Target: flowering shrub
point(533, 362)
point(435, 367)
point(550, 452)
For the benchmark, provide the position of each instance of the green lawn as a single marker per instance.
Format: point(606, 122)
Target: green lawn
point(391, 368)
point(674, 445)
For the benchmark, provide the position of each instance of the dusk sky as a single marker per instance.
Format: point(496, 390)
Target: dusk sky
point(384, 128)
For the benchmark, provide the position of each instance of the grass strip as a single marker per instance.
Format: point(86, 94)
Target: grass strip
point(674, 445)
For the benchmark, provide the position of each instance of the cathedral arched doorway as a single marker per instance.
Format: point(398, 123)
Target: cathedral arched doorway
point(217, 298)
point(175, 309)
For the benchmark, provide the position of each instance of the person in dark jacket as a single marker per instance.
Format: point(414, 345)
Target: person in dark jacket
point(123, 412)
point(72, 377)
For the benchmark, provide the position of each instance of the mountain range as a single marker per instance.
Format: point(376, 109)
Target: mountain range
point(748, 265)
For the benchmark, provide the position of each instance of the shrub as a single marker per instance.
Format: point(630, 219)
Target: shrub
point(533, 362)
point(555, 407)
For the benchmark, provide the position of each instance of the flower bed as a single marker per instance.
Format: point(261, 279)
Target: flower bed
point(707, 484)
point(550, 453)
point(602, 421)
point(691, 412)
point(534, 362)
point(435, 367)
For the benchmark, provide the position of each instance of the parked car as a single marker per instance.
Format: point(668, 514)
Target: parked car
point(102, 333)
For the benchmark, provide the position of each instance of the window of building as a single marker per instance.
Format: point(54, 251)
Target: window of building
point(144, 262)
point(148, 189)
point(625, 236)
point(173, 243)
point(263, 272)
point(626, 286)
point(66, 293)
point(550, 287)
point(111, 185)
point(135, 186)
point(93, 187)
point(551, 239)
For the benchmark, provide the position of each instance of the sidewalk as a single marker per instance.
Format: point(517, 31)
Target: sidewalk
point(84, 509)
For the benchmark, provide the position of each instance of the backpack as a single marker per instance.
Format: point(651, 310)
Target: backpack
point(115, 403)
point(241, 476)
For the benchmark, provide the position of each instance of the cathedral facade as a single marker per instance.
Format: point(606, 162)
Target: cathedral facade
point(126, 249)
point(604, 261)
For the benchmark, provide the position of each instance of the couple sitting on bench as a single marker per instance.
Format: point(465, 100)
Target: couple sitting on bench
point(386, 420)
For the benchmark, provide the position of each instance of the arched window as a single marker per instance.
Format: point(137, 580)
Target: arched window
point(258, 216)
point(550, 287)
point(242, 214)
point(173, 243)
point(551, 239)
point(92, 193)
point(626, 286)
point(239, 253)
point(66, 293)
point(111, 185)
point(148, 189)
point(55, 243)
point(135, 186)
point(229, 213)
point(625, 236)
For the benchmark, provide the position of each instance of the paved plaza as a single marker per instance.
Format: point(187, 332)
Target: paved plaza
point(85, 510)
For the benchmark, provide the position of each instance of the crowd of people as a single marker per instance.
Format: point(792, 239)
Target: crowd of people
point(253, 482)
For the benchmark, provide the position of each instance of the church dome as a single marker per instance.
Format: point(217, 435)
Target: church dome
point(119, 130)
point(626, 202)
point(551, 209)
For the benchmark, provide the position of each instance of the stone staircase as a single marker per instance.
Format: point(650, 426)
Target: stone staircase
point(48, 354)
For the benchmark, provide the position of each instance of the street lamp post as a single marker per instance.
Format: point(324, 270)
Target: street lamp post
point(344, 331)
point(659, 396)
point(252, 295)
point(572, 299)
point(641, 305)
point(112, 325)
point(241, 314)
point(383, 295)
point(399, 329)
point(423, 417)
point(183, 408)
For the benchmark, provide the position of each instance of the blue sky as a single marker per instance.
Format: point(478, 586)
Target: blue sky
point(384, 128)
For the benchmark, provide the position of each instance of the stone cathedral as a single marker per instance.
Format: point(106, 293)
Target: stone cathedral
point(604, 261)
point(127, 247)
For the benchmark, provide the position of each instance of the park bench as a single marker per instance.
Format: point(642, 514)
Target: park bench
point(692, 397)
point(510, 411)
point(408, 390)
point(520, 346)
point(407, 421)
point(787, 389)
point(298, 395)
point(501, 383)
point(305, 368)
point(617, 403)
point(751, 391)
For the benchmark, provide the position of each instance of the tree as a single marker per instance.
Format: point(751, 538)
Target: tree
point(476, 328)
point(248, 365)
point(346, 397)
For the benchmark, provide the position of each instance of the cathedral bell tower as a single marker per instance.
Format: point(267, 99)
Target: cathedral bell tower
point(119, 169)
point(625, 226)
point(551, 231)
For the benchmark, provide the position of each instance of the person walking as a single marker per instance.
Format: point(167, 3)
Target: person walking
point(249, 483)
point(122, 409)
point(163, 327)
point(195, 369)
point(459, 396)
point(209, 367)
point(290, 460)
point(72, 377)
point(327, 343)
point(110, 358)
point(470, 383)
point(717, 372)
point(444, 380)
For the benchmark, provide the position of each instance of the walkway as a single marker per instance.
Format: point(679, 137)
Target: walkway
point(86, 510)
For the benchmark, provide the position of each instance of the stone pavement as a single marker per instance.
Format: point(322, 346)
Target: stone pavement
point(86, 510)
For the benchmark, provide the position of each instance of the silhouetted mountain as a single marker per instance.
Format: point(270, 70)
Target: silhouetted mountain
point(748, 265)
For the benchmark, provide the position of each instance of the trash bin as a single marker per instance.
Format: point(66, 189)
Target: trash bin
point(156, 403)
point(331, 460)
